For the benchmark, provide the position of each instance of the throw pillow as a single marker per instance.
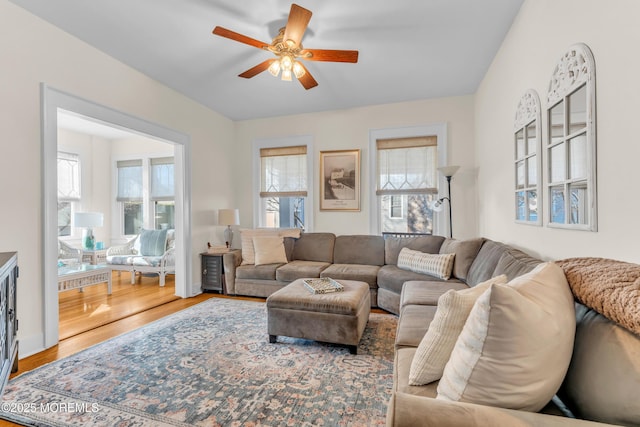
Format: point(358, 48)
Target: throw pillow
point(246, 239)
point(466, 252)
point(436, 345)
point(516, 345)
point(269, 250)
point(153, 242)
point(438, 265)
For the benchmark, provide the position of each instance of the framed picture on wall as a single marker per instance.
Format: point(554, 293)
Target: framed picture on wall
point(340, 180)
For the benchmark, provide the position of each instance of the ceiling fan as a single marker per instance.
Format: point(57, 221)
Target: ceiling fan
point(288, 50)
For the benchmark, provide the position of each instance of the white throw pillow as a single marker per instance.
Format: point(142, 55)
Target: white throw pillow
point(437, 344)
point(516, 345)
point(246, 240)
point(438, 265)
point(269, 250)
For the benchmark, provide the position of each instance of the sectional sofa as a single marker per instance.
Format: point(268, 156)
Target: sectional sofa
point(370, 259)
point(595, 361)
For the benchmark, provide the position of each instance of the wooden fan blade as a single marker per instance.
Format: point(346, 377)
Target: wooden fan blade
point(223, 32)
point(299, 18)
point(330, 55)
point(251, 72)
point(307, 79)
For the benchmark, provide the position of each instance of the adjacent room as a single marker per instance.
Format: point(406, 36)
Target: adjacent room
point(319, 213)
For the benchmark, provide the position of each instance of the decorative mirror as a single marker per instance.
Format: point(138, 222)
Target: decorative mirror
point(528, 159)
point(571, 141)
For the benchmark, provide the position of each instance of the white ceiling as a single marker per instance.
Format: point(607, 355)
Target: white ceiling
point(409, 49)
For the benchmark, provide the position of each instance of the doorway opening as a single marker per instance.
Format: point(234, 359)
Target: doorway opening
point(54, 101)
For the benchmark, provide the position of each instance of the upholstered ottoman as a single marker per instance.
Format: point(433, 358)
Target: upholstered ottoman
point(337, 317)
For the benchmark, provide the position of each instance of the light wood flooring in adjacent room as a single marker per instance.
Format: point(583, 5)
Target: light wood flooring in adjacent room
point(83, 311)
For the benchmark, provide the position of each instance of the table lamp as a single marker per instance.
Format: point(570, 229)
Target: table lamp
point(228, 217)
point(88, 220)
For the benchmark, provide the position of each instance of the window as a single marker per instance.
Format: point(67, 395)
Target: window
point(68, 165)
point(163, 192)
point(283, 186)
point(396, 210)
point(571, 142)
point(407, 183)
point(528, 159)
point(130, 195)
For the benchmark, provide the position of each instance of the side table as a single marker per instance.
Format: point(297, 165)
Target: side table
point(95, 256)
point(213, 271)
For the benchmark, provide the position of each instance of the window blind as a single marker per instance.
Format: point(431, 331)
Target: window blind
point(283, 171)
point(129, 180)
point(68, 176)
point(162, 182)
point(407, 165)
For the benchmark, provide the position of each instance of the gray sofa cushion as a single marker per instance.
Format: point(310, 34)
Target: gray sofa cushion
point(367, 250)
point(360, 272)
point(299, 270)
point(314, 247)
point(485, 263)
point(418, 292)
point(466, 252)
point(393, 245)
point(413, 324)
point(514, 263)
point(392, 278)
point(604, 375)
point(260, 272)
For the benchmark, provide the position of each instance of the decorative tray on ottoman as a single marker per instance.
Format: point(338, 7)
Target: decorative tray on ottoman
point(322, 285)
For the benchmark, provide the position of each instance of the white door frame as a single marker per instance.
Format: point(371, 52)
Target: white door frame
point(52, 100)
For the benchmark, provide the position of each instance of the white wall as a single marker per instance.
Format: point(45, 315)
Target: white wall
point(34, 51)
point(540, 35)
point(95, 179)
point(349, 129)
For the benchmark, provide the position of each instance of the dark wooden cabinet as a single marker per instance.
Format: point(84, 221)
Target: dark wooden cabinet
point(212, 272)
point(8, 316)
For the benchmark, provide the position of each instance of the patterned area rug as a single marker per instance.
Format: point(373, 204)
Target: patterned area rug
point(211, 365)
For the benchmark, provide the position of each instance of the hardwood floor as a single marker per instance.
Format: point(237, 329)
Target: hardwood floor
point(84, 311)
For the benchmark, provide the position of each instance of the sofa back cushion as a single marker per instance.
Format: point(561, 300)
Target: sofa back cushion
point(314, 247)
point(495, 258)
point(483, 266)
point(603, 379)
point(393, 245)
point(368, 250)
point(466, 252)
point(514, 263)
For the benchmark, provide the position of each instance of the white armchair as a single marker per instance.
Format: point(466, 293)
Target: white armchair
point(152, 251)
point(68, 255)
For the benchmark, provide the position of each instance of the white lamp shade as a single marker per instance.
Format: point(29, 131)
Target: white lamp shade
point(228, 217)
point(88, 219)
point(449, 170)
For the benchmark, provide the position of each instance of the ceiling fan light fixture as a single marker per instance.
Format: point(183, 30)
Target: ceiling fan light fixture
point(274, 68)
point(298, 69)
point(286, 75)
point(286, 62)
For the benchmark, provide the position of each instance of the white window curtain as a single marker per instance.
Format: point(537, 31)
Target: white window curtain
point(68, 176)
point(162, 183)
point(407, 166)
point(283, 171)
point(130, 187)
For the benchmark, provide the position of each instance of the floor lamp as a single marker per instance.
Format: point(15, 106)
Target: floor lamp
point(448, 172)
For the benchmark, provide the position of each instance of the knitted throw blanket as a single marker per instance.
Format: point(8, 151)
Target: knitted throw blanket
point(610, 287)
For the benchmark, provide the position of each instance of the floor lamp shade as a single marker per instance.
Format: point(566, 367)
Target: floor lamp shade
point(87, 221)
point(228, 217)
